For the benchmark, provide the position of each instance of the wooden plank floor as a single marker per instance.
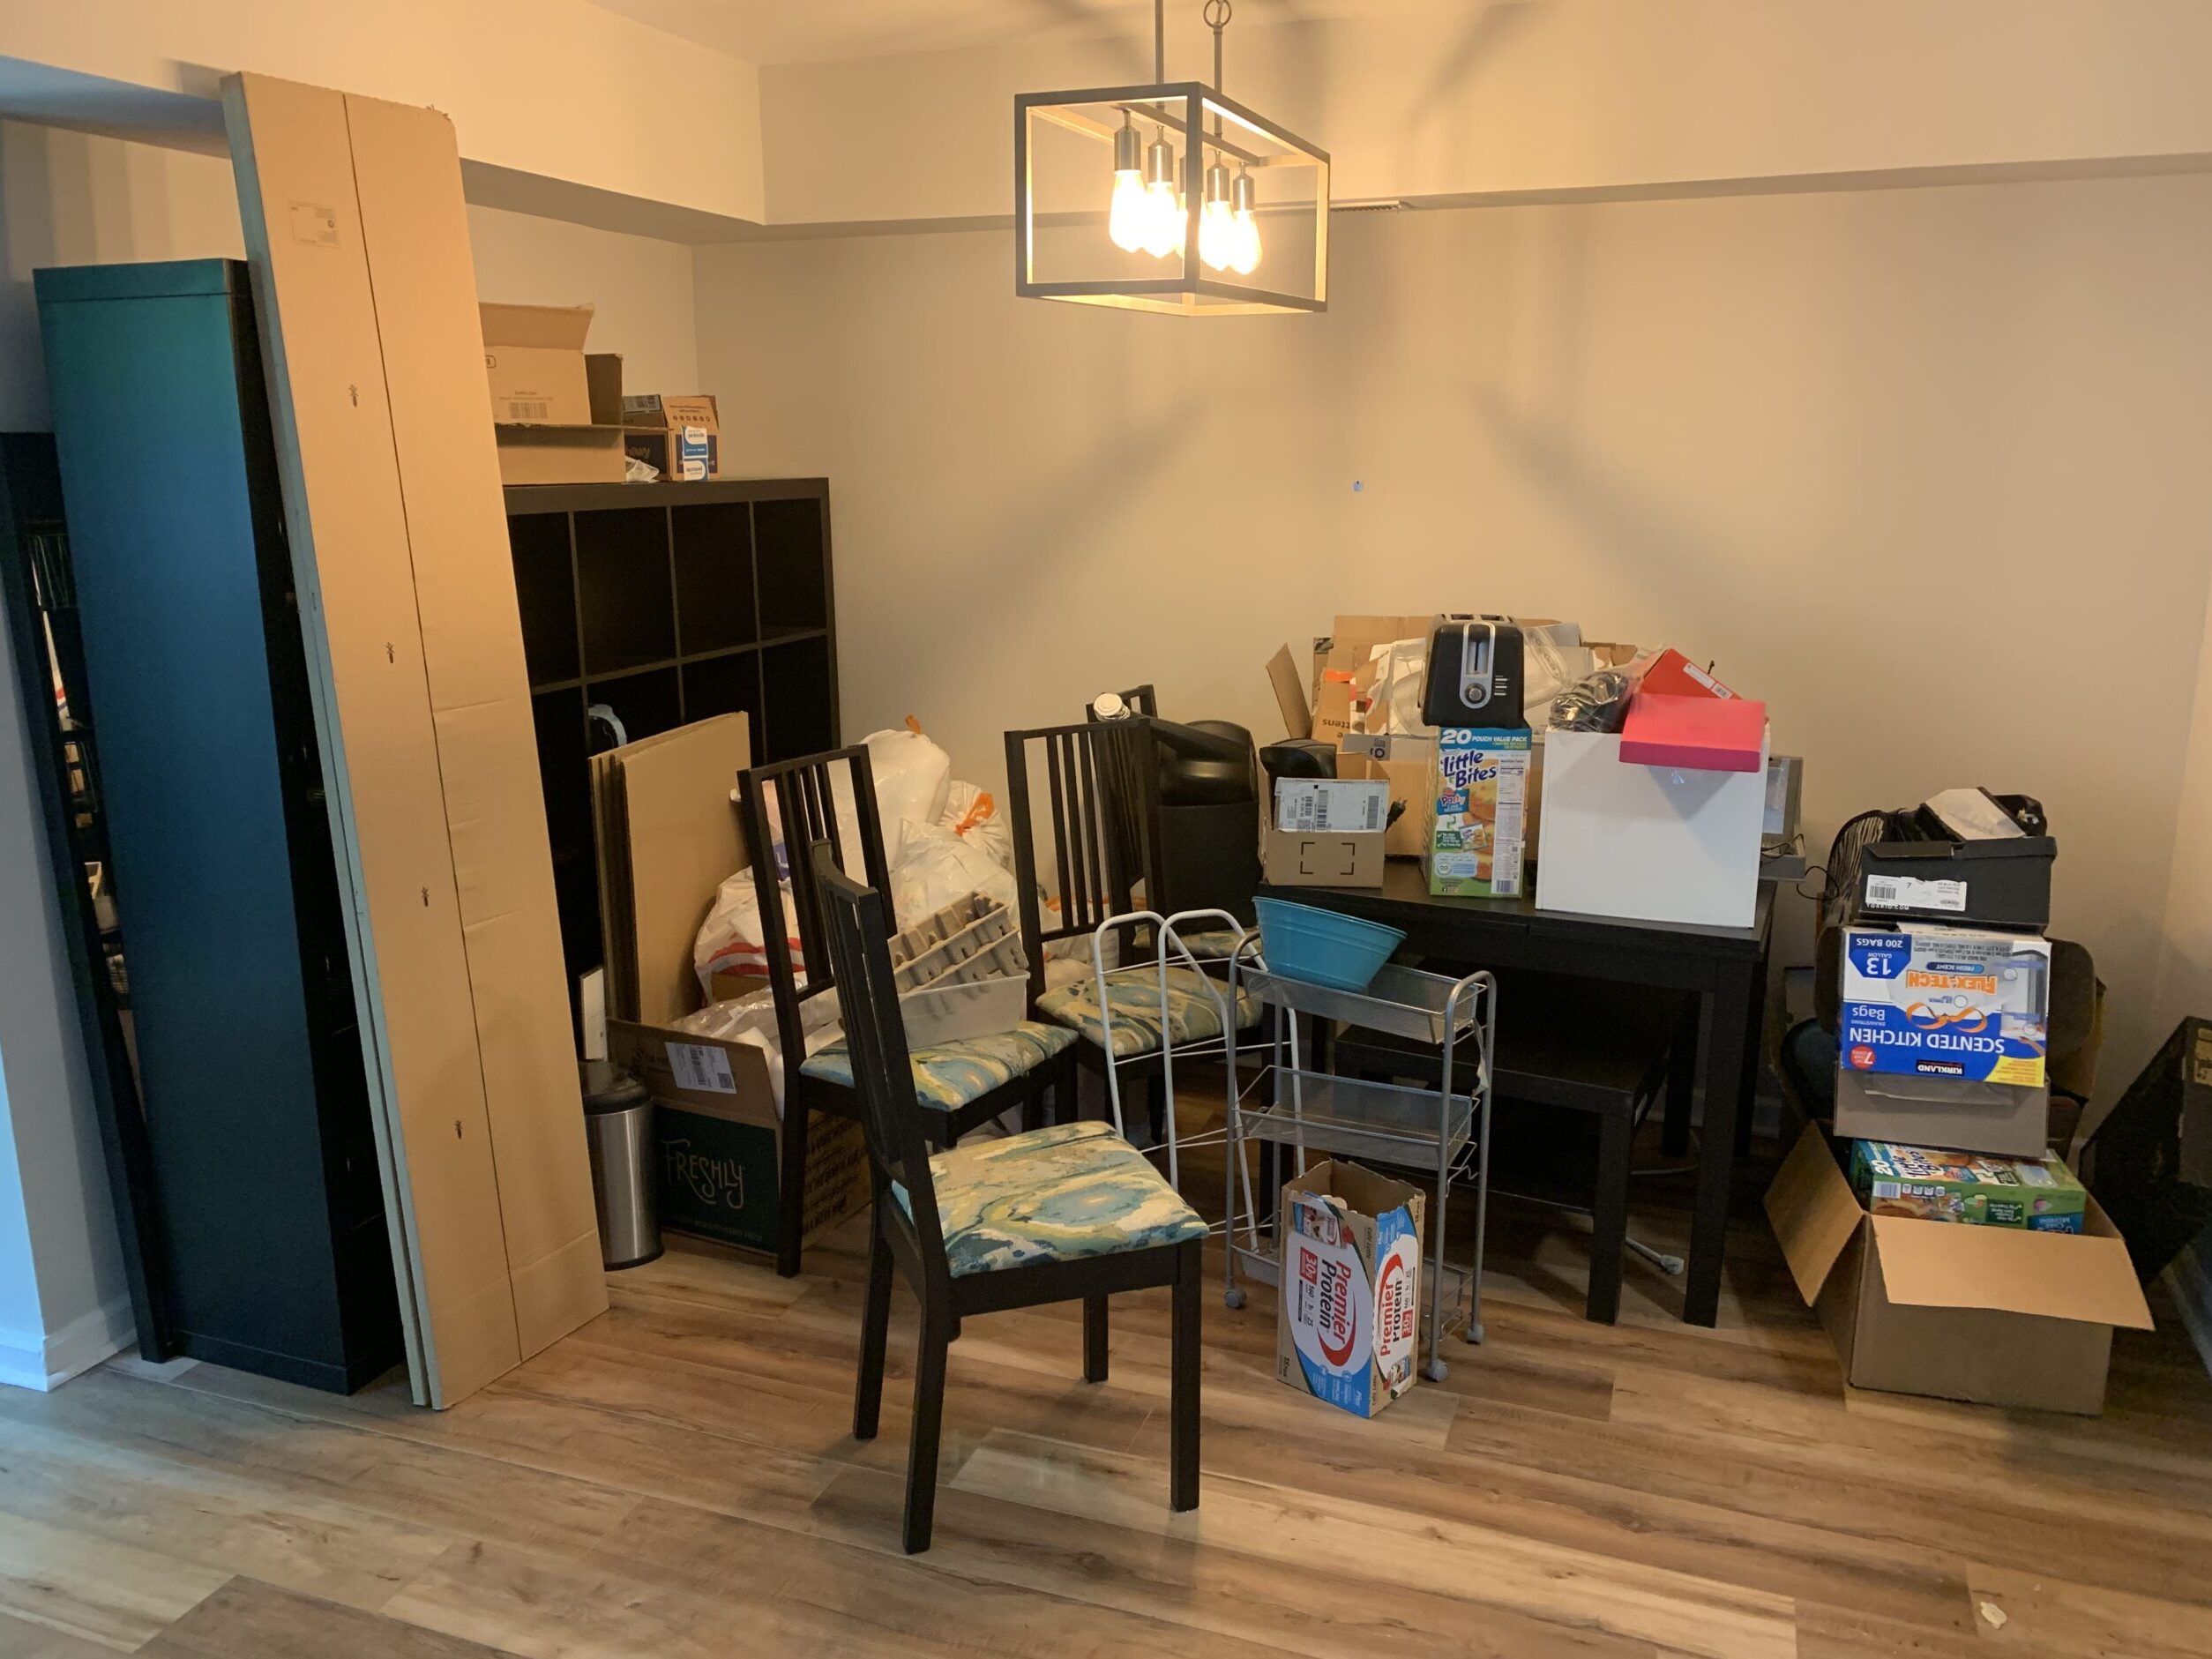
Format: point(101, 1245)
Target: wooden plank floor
point(678, 1479)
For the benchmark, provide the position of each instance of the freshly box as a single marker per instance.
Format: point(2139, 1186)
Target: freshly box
point(1482, 797)
point(1938, 1002)
point(1349, 1319)
point(681, 436)
point(2002, 1316)
point(1935, 1186)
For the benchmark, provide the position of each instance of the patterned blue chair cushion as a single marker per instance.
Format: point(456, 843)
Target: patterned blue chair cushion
point(1212, 945)
point(1133, 994)
point(1054, 1194)
point(950, 1075)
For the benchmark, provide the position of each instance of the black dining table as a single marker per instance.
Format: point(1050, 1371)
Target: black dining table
point(1724, 969)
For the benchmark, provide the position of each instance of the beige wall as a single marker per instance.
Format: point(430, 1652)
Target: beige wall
point(71, 198)
point(1922, 467)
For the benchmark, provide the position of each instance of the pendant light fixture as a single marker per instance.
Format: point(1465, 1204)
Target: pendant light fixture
point(1182, 230)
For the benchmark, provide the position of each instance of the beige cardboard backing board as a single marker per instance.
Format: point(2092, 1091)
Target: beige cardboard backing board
point(669, 838)
point(415, 225)
point(413, 700)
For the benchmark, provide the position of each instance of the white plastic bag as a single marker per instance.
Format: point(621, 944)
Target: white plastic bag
point(936, 866)
point(731, 940)
point(972, 814)
point(912, 776)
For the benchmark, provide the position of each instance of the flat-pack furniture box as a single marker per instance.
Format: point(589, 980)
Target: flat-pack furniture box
point(557, 412)
point(1479, 806)
point(1347, 1322)
point(681, 437)
point(1996, 1315)
point(667, 836)
point(365, 299)
point(1647, 843)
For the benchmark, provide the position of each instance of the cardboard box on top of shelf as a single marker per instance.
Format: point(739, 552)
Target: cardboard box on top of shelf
point(681, 436)
point(1997, 1315)
point(668, 836)
point(557, 410)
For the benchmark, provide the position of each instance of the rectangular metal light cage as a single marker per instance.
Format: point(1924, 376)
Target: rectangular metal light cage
point(1180, 109)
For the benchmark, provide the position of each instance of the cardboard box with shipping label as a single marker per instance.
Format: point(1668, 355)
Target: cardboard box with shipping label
point(680, 437)
point(1481, 798)
point(1932, 1185)
point(557, 410)
point(1937, 1002)
point(1349, 1319)
point(1999, 1315)
point(1326, 858)
point(1308, 805)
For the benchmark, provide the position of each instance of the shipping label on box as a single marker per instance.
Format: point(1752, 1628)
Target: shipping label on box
point(1480, 797)
point(1349, 1315)
point(1309, 806)
point(1946, 1002)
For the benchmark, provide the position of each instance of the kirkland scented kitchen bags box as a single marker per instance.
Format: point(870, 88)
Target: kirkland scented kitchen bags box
point(1349, 1314)
point(1946, 1003)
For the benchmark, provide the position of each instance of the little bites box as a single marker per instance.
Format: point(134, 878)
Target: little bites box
point(1482, 811)
point(1939, 1002)
point(1349, 1316)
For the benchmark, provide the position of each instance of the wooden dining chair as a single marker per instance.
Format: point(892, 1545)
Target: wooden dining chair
point(1100, 789)
point(957, 1085)
point(1072, 1213)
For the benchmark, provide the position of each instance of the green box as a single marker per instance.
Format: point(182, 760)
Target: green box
point(1928, 1184)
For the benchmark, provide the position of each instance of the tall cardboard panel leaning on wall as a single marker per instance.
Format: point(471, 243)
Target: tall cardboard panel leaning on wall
point(348, 530)
point(415, 225)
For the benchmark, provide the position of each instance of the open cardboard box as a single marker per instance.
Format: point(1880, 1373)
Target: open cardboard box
point(556, 412)
point(668, 838)
point(1996, 1315)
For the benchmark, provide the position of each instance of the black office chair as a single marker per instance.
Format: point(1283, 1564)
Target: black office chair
point(957, 1085)
point(1072, 1212)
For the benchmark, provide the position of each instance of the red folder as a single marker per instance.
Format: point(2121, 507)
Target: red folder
point(1707, 734)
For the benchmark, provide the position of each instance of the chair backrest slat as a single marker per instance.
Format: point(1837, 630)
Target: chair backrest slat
point(804, 813)
point(1101, 786)
point(858, 925)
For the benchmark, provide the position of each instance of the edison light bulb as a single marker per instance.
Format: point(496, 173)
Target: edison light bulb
point(1163, 202)
point(1126, 221)
point(1245, 236)
point(1217, 228)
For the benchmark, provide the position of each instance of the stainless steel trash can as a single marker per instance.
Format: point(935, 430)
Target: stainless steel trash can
point(619, 1126)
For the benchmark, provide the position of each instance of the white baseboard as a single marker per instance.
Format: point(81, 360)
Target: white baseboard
point(2190, 1278)
point(33, 1359)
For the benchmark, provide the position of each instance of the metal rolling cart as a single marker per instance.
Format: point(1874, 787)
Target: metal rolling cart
point(1425, 1129)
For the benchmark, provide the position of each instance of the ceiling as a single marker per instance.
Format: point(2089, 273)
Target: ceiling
point(807, 31)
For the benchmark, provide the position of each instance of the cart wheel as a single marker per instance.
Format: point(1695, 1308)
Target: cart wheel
point(1672, 1265)
point(1436, 1370)
point(1474, 1333)
point(1234, 1297)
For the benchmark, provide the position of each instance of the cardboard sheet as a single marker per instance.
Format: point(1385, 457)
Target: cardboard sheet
point(2051, 1276)
point(669, 838)
point(358, 240)
point(415, 225)
point(347, 531)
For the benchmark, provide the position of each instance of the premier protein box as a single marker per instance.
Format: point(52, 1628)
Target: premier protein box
point(1349, 1322)
point(1926, 1001)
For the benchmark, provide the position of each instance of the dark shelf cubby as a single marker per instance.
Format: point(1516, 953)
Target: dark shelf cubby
point(625, 592)
point(667, 603)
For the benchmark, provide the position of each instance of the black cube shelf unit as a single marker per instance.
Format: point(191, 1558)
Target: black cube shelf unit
point(666, 603)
